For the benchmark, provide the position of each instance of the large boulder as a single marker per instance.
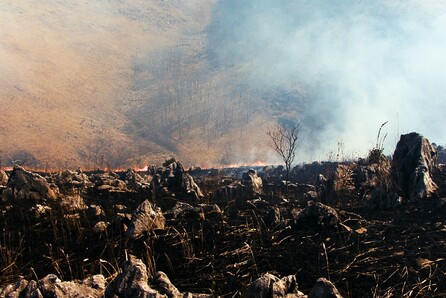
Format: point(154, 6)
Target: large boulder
point(24, 185)
point(414, 161)
point(144, 219)
point(173, 180)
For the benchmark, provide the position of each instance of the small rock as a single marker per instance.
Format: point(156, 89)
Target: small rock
point(165, 286)
point(144, 219)
point(324, 289)
point(100, 227)
point(132, 281)
point(317, 214)
point(270, 286)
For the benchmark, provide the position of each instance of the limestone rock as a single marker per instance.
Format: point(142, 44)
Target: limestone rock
point(26, 185)
point(253, 182)
point(165, 286)
point(269, 285)
point(414, 161)
point(132, 281)
point(317, 214)
point(324, 289)
point(3, 178)
point(145, 218)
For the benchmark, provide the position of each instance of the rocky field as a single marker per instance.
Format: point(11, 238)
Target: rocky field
point(375, 227)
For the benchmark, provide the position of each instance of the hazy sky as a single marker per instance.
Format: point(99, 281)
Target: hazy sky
point(356, 64)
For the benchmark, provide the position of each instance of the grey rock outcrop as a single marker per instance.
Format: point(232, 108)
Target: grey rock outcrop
point(172, 180)
point(68, 181)
point(253, 182)
point(24, 185)
point(414, 161)
point(249, 187)
point(144, 219)
point(132, 281)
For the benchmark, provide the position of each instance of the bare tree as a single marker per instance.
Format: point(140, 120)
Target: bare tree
point(283, 139)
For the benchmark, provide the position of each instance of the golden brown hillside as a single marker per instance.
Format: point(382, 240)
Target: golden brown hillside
point(78, 81)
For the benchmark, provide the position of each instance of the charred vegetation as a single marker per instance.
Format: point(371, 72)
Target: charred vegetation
point(369, 228)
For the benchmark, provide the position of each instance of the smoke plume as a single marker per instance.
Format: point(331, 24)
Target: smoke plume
point(352, 65)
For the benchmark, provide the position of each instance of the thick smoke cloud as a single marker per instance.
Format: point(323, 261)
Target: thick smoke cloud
point(352, 65)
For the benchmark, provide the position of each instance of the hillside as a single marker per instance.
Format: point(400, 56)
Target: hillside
point(114, 84)
point(117, 84)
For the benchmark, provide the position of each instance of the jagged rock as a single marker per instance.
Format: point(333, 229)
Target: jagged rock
point(32, 290)
point(47, 285)
point(165, 286)
point(3, 178)
point(119, 184)
point(269, 285)
point(95, 210)
point(133, 179)
point(145, 218)
point(325, 189)
point(25, 185)
point(96, 282)
point(414, 160)
point(262, 287)
point(173, 180)
point(108, 182)
point(70, 289)
point(100, 227)
point(185, 211)
point(212, 211)
point(132, 281)
point(14, 290)
point(234, 191)
point(40, 210)
point(317, 214)
point(324, 289)
point(251, 186)
point(72, 204)
point(52, 286)
point(253, 182)
point(67, 180)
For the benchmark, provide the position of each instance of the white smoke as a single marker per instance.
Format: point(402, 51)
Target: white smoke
point(356, 64)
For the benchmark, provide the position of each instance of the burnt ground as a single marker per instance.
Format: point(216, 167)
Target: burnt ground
point(369, 253)
point(387, 253)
